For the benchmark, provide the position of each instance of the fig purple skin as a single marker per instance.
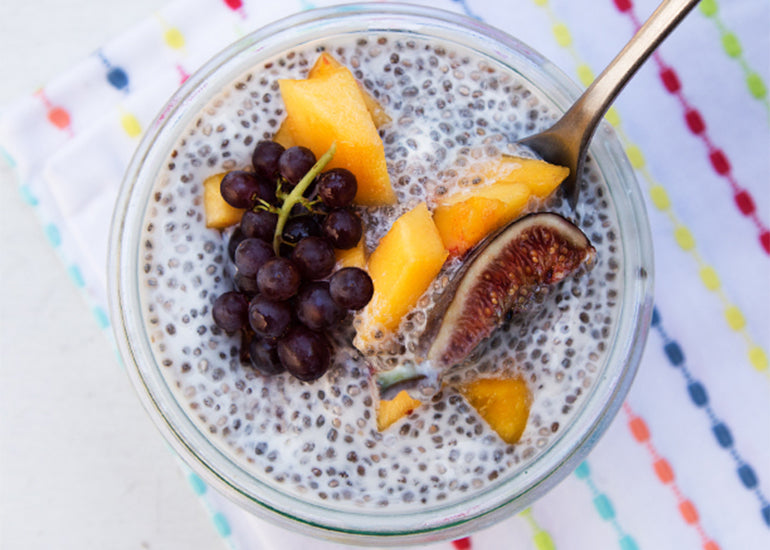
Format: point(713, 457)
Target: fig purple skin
point(500, 277)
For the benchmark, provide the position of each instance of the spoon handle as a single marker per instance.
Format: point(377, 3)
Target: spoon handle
point(588, 110)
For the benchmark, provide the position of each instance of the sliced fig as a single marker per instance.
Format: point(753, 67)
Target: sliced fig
point(501, 276)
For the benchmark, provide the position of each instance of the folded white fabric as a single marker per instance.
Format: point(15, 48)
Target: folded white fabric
point(686, 463)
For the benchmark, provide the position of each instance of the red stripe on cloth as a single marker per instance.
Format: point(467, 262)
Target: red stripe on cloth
point(695, 121)
point(745, 203)
point(670, 80)
point(623, 5)
point(719, 162)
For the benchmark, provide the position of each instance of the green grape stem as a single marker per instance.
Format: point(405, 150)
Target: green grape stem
point(296, 195)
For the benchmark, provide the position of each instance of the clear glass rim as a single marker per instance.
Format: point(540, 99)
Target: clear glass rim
point(374, 526)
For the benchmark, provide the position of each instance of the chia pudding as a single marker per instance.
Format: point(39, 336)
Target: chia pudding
point(450, 109)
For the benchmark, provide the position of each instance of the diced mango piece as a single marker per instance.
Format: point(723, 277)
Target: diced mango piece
point(403, 265)
point(284, 135)
point(503, 403)
point(389, 411)
point(541, 177)
point(464, 218)
point(330, 108)
point(352, 257)
point(219, 214)
point(462, 224)
point(325, 63)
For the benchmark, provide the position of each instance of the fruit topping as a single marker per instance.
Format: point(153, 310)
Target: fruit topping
point(230, 311)
point(263, 353)
point(269, 318)
point(337, 187)
point(243, 189)
point(403, 265)
point(282, 305)
point(329, 107)
point(391, 410)
point(250, 255)
point(279, 279)
point(503, 403)
point(305, 353)
point(351, 257)
point(506, 187)
point(294, 163)
point(343, 228)
point(315, 307)
point(259, 224)
point(314, 257)
point(219, 214)
point(265, 158)
point(501, 276)
point(351, 288)
point(325, 63)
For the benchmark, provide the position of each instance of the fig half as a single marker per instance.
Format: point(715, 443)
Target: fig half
point(499, 277)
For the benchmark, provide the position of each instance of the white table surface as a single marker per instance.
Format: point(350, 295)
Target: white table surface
point(81, 465)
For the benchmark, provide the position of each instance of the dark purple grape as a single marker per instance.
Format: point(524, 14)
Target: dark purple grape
point(242, 189)
point(299, 228)
point(245, 284)
point(351, 288)
point(269, 318)
point(235, 240)
point(230, 311)
point(279, 279)
point(343, 228)
point(314, 257)
point(251, 254)
point(295, 162)
point(315, 307)
point(306, 354)
point(265, 158)
point(263, 353)
point(259, 224)
point(337, 187)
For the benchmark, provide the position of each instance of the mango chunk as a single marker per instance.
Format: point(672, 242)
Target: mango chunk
point(463, 223)
point(218, 213)
point(389, 411)
point(504, 404)
point(352, 257)
point(541, 177)
point(330, 108)
point(403, 265)
point(464, 218)
point(325, 63)
point(283, 135)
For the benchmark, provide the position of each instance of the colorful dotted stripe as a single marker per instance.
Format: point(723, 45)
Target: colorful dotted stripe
point(540, 537)
point(236, 6)
point(56, 115)
point(660, 199)
point(116, 76)
point(604, 507)
point(665, 474)
point(732, 47)
point(695, 123)
point(221, 524)
point(698, 395)
point(463, 543)
point(174, 39)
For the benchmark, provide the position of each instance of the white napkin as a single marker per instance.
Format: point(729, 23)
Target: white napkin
point(686, 463)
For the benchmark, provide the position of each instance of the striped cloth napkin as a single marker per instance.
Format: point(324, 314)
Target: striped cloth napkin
point(686, 463)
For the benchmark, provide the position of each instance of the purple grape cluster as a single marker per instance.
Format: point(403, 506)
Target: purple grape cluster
point(287, 298)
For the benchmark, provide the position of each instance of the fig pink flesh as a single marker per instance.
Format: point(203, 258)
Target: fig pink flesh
point(502, 275)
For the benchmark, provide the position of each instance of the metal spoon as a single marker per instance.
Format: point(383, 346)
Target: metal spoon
point(566, 142)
